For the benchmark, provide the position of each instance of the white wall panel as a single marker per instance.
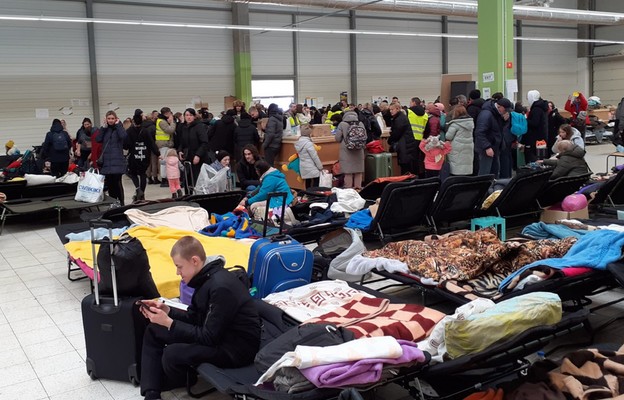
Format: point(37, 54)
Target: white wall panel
point(550, 67)
point(271, 52)
point(324, 69)
point(399, 66)
point(609, 80)
point(150, 67)
point(44, 65)
point(462, 57)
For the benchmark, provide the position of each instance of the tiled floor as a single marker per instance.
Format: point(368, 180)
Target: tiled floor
point(42, 346)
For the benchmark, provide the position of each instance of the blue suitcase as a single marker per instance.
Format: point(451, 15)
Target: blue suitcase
point(278, 263)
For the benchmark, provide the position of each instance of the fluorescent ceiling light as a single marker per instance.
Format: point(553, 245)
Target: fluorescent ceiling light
point(166, 24)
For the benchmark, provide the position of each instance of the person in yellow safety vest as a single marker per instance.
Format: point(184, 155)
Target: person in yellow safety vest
point(336, 109)
point(291, 114)
point(165, 128)
point(418, 120)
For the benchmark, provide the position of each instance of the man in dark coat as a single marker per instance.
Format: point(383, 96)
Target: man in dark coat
point(537, 123)
point(489, 134)
point(402, 139)
point(244, 134)
point(222, 136)
point(273, 134)
point(220, 327)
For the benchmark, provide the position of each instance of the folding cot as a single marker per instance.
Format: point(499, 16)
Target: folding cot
point(610, 194)
point(403, 208)
point(117, 216)
point(501, 359)
point(219, 203)
point(458, 199)
point(519, 197)
point(557, 189)
point(38, 205)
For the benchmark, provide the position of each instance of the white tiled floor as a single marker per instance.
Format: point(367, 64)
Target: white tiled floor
point(42, 346)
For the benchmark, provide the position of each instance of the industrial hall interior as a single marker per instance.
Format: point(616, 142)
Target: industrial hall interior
point(311, 199)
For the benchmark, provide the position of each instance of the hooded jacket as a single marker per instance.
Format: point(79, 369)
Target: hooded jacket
point(245, 133)
point(310, 164)
point(272, 181)
point(568, 163)
point(223, 135)
point(576, 138)
point(274, 130)
point(537, 123)
point(402, 138)
point(140, 144)
point(194, 142)
point(52, 154)
point(488, 131)
point(221, 314)
point(433, 127)
point(474, 108)
point(459, 133)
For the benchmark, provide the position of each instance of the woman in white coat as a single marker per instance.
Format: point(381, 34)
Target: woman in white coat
point(459, 133)
point(310, 165)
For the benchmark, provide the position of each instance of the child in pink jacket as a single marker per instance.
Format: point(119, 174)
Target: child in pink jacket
point(172, 163)
point(434, 150)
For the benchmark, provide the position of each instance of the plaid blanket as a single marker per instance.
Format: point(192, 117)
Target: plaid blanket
point(370, 317)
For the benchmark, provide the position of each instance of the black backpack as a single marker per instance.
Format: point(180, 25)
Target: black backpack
point(59, 141)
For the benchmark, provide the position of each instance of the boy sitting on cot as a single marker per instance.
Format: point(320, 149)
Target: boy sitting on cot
point(221, 326)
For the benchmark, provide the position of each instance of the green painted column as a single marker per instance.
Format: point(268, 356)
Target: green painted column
point(496, 46)
point(242, 54)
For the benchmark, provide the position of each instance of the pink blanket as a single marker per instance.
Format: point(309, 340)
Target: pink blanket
point(363, 371)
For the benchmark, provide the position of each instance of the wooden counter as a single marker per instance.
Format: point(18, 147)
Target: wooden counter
point(329, 153)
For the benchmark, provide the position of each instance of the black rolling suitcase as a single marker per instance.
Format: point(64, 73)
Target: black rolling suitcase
point(113, 326)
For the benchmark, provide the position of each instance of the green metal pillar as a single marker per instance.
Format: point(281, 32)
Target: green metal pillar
point(242, 54)
point(496, 45)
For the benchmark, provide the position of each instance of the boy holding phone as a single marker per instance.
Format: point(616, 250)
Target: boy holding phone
point(221, 326)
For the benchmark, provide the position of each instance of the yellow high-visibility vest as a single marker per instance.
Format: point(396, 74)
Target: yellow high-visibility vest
point(418, 123)
point(160, 134)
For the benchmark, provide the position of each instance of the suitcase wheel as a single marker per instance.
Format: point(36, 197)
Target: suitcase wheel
point(92, 375)
point(134, 381)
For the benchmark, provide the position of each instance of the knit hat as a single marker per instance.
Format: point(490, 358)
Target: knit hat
point(138, 111)
point(533, 96)
point(9, 144)
point(306, 130)
point(273, 108)
point(440, 106)
point(221, 154)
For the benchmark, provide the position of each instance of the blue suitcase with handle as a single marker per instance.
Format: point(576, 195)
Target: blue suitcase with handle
point(278, 263)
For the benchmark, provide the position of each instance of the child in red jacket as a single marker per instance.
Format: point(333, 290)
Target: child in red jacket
point(434, 150)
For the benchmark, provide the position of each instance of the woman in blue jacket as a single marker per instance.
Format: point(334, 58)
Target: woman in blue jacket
point(271, 180)
point(113, 165)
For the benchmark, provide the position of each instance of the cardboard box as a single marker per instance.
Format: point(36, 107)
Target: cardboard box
point(552, 214)
point(320, 130)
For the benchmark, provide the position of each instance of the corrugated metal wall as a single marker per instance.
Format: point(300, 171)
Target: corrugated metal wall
point(45, 65)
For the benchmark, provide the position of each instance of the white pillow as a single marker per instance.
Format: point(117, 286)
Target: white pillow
point(34, 180)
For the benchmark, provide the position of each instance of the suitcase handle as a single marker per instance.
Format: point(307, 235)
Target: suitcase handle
point(270, 196)
point(103, 242)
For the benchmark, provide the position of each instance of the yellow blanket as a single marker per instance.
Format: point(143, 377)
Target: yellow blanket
point(158, 243)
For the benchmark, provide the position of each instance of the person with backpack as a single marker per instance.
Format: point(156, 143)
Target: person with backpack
point(351, 134)
point(56, 149)
point(141, 146)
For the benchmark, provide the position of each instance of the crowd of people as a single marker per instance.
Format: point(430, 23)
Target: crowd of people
point(474, 136)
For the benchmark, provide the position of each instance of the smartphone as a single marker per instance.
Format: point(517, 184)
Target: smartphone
point(142, 306)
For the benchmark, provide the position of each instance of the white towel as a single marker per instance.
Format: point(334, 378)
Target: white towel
point(354, 350)
point(360, 265)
